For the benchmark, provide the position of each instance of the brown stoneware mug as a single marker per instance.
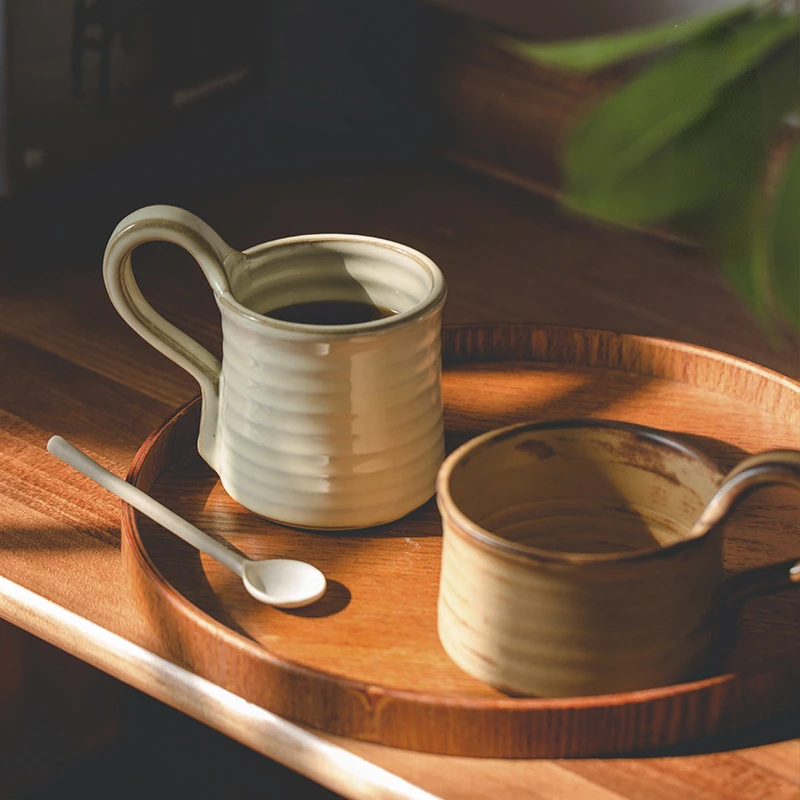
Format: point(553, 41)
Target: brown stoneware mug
point(585, 557)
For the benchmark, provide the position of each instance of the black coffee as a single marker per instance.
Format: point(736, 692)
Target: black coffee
point(330, 312)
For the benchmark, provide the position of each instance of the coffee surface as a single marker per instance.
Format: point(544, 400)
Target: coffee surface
point(330, 312)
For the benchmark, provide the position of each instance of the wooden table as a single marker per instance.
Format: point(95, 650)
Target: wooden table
point(71, 366)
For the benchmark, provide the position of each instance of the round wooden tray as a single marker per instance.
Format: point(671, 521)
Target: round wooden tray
point(366, 661)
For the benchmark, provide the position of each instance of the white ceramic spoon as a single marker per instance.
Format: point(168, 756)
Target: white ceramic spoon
point(276, 581)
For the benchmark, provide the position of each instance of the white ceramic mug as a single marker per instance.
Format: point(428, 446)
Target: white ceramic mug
point(317, 426)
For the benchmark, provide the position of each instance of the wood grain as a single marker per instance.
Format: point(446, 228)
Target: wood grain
point(509, 118)
point(70, 365)
point(366, 661)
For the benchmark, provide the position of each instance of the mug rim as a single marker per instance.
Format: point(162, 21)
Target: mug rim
point(433, 300)
point(467, 527)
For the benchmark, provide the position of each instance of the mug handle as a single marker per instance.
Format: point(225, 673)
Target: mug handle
point(772, 467)
point(175, 225)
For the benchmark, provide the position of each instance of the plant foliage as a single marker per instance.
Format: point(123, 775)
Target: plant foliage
point(686, 142)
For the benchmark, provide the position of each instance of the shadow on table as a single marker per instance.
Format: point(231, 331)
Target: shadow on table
point(780, 728)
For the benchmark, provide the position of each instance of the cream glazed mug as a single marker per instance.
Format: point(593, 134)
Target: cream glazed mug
point(584, 557)
point(326, 426)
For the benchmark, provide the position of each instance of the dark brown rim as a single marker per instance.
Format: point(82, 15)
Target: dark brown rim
point(464, 525)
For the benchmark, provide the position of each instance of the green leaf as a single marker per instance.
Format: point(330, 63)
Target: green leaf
point(737, 240)
point(734, 219)
point(714, 163)
point(586, 55)
point(784, 240)
point(666, 99)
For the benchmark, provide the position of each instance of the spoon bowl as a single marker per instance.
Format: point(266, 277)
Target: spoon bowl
point(280, 582)
point(283, 582)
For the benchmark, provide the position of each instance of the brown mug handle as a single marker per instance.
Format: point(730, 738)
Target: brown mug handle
point(772, 467)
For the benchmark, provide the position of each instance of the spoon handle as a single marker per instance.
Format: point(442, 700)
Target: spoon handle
point(150, 507)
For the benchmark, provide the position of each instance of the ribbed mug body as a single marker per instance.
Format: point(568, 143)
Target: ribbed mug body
point(533, 628)
point(325, 430)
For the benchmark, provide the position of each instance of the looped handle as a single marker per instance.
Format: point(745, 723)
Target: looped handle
point(772, 467)
point(175, 225)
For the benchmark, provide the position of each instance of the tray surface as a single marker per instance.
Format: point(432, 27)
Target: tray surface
point(366, 661)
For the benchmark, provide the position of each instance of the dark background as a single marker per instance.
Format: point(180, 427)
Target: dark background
point(326, 84)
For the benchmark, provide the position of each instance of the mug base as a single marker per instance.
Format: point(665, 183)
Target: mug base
point(350, 523)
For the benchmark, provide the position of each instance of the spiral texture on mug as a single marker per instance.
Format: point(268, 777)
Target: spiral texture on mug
point(567, 564)
point(327, 431)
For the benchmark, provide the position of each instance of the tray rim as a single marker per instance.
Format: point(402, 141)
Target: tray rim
point(134, 548)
